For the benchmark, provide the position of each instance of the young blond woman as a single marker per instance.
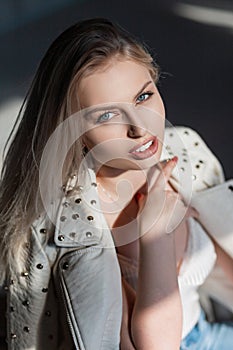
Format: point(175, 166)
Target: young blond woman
point(99, 250)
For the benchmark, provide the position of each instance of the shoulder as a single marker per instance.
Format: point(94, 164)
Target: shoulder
point(186, 140)
point(194, 157)
point(77, 219)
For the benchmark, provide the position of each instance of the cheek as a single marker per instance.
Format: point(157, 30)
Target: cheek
point(94, 137)
point(90, 140)
point(105, 135)
point(108, 150)
point(157, 104)
point(162, 109)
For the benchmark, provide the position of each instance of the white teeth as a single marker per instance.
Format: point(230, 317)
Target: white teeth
point(144, 147)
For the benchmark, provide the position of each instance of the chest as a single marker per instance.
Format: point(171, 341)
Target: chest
point(125, 233)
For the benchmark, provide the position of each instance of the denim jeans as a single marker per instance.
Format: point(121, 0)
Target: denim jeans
point(209, 336)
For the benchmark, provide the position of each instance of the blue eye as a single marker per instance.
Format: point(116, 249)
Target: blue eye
point(143, 97)
point(105, 117)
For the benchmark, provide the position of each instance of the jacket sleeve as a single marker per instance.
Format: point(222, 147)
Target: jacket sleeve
point(199, 177)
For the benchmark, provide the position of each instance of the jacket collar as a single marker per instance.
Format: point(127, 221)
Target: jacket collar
point(80, 221)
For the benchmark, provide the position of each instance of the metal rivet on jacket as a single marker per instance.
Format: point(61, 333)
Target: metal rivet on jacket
point(72, 234)
point(65, 265)
point(75, 216)
point(39, 266)
point(24, 274)
point(25, 303)
point(43, 230)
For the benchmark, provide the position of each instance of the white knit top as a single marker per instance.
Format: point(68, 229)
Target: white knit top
point(197, 263)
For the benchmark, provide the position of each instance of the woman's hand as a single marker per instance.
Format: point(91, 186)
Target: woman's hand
point(162, 209)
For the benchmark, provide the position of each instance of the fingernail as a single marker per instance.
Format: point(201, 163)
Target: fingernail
point(174, 159)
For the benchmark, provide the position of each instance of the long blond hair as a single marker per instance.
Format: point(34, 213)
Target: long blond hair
point(78, 51)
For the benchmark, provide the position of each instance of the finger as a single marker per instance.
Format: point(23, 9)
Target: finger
point(166, 172)
point(162, 163)
point(151, 177)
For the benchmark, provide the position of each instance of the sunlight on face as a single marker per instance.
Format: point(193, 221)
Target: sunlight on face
point(125, 116)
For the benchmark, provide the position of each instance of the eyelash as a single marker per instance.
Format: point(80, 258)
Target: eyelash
point(149, 93)
point(102, 121)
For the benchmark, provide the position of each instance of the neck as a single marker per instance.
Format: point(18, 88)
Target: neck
point(121, 183)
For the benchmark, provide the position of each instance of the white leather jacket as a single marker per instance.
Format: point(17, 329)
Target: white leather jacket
point(69, 294)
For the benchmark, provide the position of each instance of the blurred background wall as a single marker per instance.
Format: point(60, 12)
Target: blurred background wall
point(192, 41)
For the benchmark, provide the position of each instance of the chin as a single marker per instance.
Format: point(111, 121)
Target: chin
point(125, 164)
point(149, 163)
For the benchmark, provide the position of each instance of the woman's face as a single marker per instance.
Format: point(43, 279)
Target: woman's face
point(124, 116)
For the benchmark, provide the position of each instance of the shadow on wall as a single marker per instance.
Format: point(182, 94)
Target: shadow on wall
point(17, 13)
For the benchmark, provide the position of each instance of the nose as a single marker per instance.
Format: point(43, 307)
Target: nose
point(135, 131)
point(135, 124)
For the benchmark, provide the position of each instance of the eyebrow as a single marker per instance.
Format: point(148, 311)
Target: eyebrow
point(143, 88)
point(103, 108)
